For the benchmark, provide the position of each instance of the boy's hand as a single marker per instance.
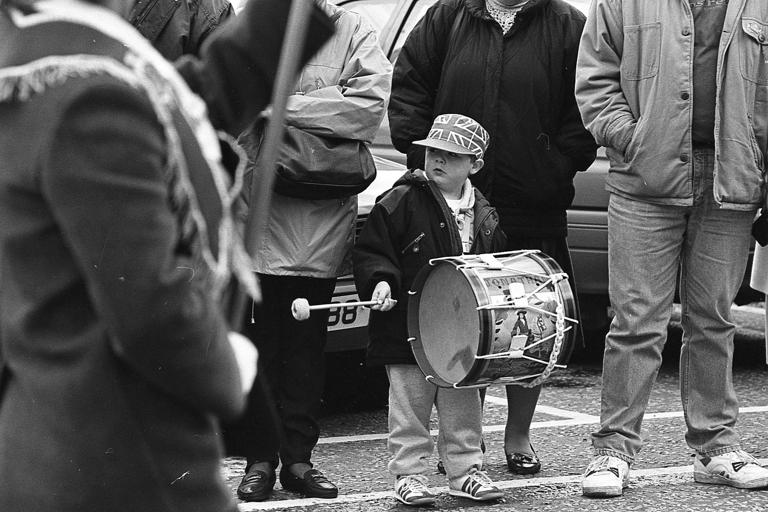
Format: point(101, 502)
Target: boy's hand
point(383, 295)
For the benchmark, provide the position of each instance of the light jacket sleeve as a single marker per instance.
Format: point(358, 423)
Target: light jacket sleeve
point(354, 107)
point(103, 179)
point(602, 103)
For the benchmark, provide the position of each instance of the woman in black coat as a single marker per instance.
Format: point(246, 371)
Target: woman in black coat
point(510, 65)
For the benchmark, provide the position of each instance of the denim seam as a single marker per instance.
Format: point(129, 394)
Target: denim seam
point(619, 455)
point(685, 350)
point(719, 451)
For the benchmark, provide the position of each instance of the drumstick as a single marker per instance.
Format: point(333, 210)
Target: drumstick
point(300, 307)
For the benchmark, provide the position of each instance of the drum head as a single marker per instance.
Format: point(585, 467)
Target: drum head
point(444, 322)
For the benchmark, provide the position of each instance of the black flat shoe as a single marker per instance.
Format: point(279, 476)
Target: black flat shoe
point(522, 463)
point(314, 484)
point(256, 485)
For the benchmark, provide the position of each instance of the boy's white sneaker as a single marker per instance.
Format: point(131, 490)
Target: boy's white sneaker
point(412, 490)
point(736, 468)
point(476, 485)
point(605, 477)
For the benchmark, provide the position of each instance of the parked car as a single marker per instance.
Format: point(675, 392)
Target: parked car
point(587, 217)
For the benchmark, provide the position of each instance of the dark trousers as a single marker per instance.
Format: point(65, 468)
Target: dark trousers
point(291, 358)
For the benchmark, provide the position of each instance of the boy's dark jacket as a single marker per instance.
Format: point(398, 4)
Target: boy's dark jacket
point(409, 225)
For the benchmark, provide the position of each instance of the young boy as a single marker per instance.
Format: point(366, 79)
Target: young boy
point(427, 214)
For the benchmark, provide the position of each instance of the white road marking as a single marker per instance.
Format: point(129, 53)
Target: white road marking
point(518, 483)
point(749, 309)
point(583, 419)
point(543, 409)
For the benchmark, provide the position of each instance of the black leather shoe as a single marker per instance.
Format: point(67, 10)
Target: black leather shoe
point(522, 463)
point(314, 484)
point(256, 485)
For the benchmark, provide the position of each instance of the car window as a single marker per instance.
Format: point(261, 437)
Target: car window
point(412, 18)
point(582, 5)
point(380, 12)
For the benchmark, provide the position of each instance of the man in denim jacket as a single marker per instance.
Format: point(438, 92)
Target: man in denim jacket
point(677, 92)
point(177, 28)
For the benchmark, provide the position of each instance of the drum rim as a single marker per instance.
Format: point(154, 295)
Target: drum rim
point(414, 328)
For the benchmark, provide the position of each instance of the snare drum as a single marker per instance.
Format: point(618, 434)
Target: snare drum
point(503, 318)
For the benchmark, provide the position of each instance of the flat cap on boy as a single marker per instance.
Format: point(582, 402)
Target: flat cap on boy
point(458, 134)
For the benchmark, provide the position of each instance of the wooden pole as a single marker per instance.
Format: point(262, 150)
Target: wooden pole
point(261, 191)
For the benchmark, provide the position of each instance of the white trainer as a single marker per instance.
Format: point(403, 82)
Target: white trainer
point(476, 485)
point(412, 490)
point(737, 469)
point(605, 477)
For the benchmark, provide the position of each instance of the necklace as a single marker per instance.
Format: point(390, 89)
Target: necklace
point(503, 14)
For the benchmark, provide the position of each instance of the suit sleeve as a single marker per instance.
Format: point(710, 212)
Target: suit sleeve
point(415, 81)
point(103, 179)
point(602, 103)
point(355, 107)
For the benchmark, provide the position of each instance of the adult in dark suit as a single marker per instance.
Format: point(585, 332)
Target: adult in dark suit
point(116, 243)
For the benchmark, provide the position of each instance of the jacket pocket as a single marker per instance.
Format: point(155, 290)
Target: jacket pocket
point(413, 246)
point(630, 152)
point(754, 51)
point(642, 48)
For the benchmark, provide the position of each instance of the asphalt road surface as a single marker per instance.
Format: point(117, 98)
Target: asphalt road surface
point(352, 451)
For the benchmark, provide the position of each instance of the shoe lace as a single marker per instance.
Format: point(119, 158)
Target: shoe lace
point(601, 463)
point(413, 483)
point(745, 457)
point(481, 477)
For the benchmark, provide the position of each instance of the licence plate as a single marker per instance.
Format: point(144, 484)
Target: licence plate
point(347, 317)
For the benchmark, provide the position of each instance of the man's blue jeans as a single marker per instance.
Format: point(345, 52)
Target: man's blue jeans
point(650, 246)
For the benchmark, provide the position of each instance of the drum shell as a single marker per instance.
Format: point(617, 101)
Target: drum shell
point(466, 288)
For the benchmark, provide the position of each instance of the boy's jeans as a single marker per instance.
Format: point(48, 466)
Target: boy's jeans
point(411, 399)
point(648, 244)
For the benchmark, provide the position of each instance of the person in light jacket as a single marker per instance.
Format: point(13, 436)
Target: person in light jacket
point(342, 93)
point(677, 92)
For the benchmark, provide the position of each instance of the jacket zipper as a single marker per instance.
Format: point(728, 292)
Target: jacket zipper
point(413, 242)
